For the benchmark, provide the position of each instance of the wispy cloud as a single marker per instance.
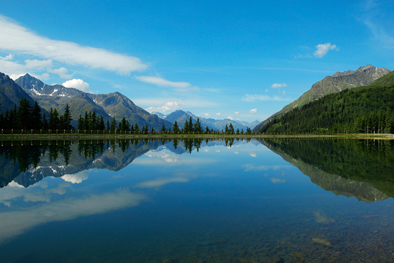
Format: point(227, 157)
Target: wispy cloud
point(15, 69)
point(253, 111)
point(62, 72)
point(16, 38)
point(168, 106)
point(380, 34)
point(163, 82)
point(278, 85)
point(322, 49)
point(253, 97)
point(155, 104)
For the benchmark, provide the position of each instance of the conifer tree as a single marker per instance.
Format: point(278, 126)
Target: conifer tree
point(36, 117)
point(175, 128)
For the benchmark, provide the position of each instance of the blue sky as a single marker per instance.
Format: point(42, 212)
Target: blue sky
point(240, 59)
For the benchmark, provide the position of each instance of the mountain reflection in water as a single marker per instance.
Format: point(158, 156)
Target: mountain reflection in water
point(196, 200)
point(359, 168)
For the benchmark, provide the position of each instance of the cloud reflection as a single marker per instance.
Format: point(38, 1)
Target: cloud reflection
point(16, 222)
point(76, 178)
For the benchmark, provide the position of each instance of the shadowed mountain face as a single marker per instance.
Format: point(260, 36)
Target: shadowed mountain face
point(338, 82)
point(11, 93)
point(351, 168)
point(108, 105)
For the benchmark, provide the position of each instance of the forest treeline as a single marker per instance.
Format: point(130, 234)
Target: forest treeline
point(31, 117)
point(359, 110)
point(28, 117)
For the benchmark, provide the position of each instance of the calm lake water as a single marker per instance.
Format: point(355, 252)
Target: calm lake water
point(197, 201)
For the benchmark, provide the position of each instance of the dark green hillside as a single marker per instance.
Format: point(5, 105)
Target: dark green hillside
point(366, 109)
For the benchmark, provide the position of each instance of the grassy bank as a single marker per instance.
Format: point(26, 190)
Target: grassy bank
point(30, 137)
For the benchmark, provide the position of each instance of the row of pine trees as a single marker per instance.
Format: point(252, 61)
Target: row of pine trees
point(28, 116)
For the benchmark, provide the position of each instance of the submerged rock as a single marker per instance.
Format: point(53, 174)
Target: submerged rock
point(321, 241)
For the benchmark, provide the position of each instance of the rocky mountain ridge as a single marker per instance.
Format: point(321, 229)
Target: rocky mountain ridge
point(108, 105)
point(338, 82)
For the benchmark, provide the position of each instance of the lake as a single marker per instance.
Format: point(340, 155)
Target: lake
point(173, 201)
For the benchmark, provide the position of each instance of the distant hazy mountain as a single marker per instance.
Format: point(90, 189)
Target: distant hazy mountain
point(108, 105)
point(338, 82)
point(11, 93)
point(159, 114)
point(181, 117)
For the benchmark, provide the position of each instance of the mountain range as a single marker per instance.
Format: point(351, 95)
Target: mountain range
point(338, 82)
point(108, 105)
point(181, 116)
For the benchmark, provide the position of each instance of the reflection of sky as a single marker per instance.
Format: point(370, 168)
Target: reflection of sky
point(81, 194)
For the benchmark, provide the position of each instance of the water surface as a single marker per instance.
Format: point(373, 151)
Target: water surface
point(197, 201)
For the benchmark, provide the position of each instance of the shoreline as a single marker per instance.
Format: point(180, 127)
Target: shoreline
point(48, 137)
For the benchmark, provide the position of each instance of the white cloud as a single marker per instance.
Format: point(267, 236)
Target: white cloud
point(253, 154)
point(15, 69)
point(207, 115)
point(237, 112)
point(322, 49)
point(284, 93)
point(163, 82)
point(8, 57)
point(168, 106)
point(218, 114)
point(230, 118)
point(38, 64)
point(253, 97)
point(14, 37)
point(278, 85)
point(267, 90)
point(77, 84)
point(253, 111)
point(62, 72)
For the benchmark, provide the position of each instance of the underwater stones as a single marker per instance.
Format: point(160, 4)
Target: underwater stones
point(321, 241)
point(299, 255)
point(275, 259)
point(170, 260)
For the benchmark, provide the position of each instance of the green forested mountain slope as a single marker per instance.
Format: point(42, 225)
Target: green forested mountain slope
point(366, 109)
point(338, 82)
